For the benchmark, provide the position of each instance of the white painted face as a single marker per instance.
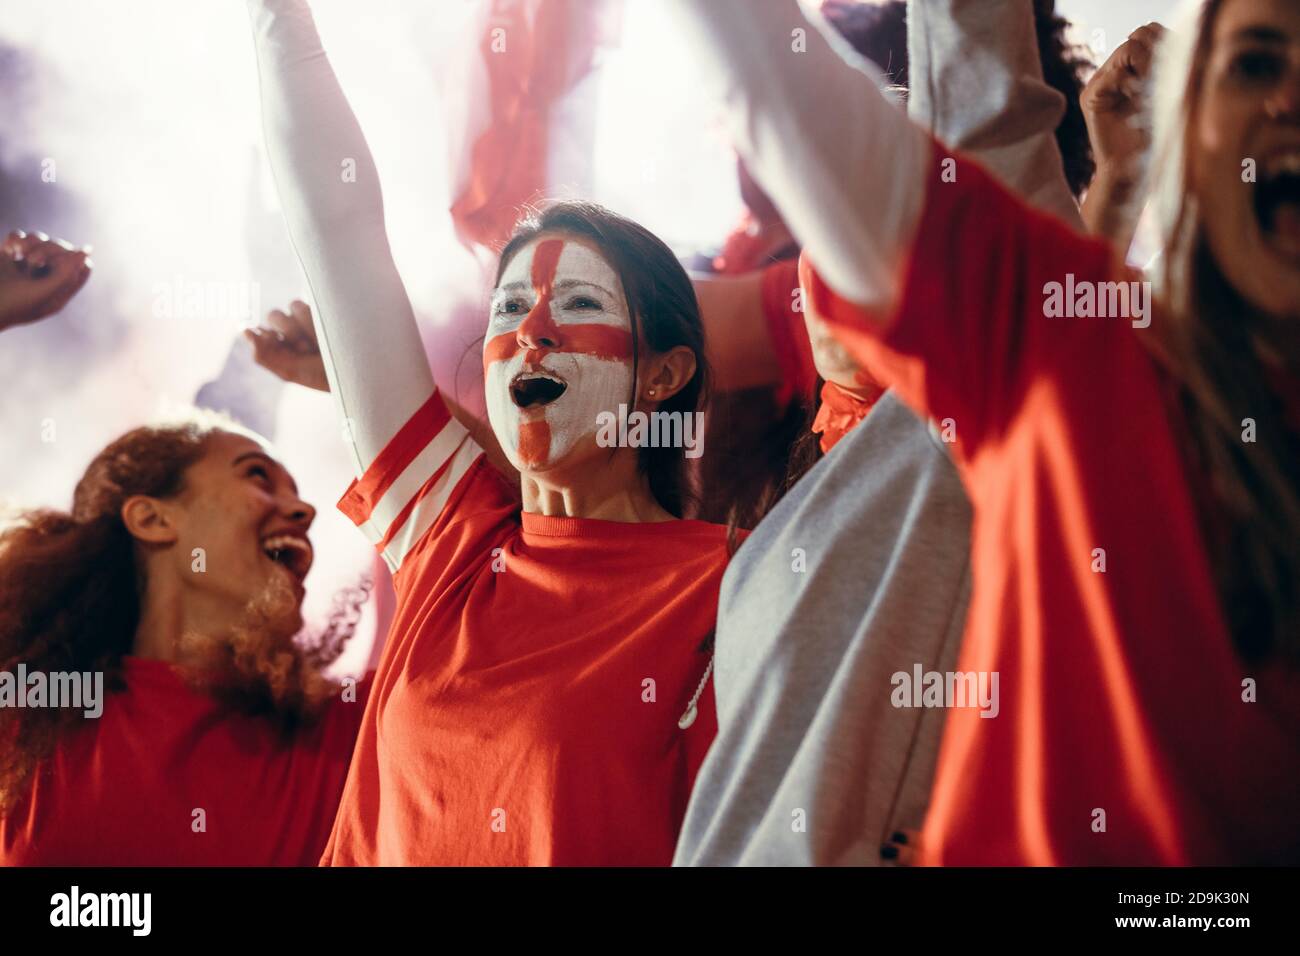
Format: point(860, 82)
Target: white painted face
point(558, 351)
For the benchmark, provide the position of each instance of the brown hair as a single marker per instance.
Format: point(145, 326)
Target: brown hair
point(1250, 509)
point(662, 305)
point(70, 600)
point(878, 31)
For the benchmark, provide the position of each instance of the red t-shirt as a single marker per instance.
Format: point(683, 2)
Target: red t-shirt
point(526, 707)
point(787, 332)
point(123, 790)
point(1122, 736)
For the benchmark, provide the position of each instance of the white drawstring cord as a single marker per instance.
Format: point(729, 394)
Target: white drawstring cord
point(692, 712)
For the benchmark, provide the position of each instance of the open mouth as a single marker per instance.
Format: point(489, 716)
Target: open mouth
point(1277, 202)
point(535, 388)
point(291, 551)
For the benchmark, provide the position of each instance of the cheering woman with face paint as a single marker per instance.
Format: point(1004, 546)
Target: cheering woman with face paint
point(543, 696)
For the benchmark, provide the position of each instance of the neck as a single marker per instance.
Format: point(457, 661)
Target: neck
point(166, 613)
point(613, 491)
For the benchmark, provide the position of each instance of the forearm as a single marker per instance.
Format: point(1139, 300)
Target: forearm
point(739, 343)
point(843, 164)
point(977, 85)
point(1110, 210)
point(330, 193)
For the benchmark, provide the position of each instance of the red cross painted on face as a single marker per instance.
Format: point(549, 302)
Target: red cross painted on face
point(546, 328)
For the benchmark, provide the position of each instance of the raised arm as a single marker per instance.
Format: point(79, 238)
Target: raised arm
point(329, 189)
point(978, 87)
point(880, 207)
point(409, 451)
point(849, 179)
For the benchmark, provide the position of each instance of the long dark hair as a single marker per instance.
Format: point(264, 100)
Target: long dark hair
point(1066, 68)
point(663, 309)
point(70, 600)
point(1250, 505)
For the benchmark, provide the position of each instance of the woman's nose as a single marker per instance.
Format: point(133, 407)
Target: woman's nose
point(538, 330)
point(299, 512)
point(1284, 102)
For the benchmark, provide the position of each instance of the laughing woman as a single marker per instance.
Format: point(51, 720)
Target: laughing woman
point(214, 738)
point(542, 698)
point(1135, 479)
point(177, 577)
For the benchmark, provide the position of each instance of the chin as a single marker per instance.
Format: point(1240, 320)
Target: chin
point(1254, 236)
point(555, 467)
point(1263, 276)
point(1278, 301)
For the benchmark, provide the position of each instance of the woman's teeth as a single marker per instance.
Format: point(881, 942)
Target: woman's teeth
point(293, 552)
point(535, 388)
point(1277, 201)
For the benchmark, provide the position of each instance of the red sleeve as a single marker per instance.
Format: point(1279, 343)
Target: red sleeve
point(411, 481)
point(786, 330)
point(971, 333)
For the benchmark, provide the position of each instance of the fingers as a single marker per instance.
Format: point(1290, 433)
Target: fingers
point(286, 348)
point(66, 274)
point(39, 276)
point(301, 313)
point(36, 254)
point(18, 243)
point(294, 327)
point(1118, 85)
point(269, 350)
point(1140, 49)
point(279, 323)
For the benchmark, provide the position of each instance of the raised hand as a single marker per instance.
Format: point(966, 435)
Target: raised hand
point(38, 275)
point(1112, 102)
point(286, 346)
point(1114, 96)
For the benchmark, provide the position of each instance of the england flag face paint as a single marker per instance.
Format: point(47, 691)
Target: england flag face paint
point(558, 351)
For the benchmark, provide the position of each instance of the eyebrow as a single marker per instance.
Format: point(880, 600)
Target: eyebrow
point(571, 283)
point(1260, 33)
point(520, 285)
point(270, 461)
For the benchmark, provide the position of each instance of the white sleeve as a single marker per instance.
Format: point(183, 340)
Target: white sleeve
point(976, 80)
point(842, 162)
point(329, 189)
point(409, 452)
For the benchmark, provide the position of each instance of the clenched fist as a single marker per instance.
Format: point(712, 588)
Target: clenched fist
point(1113, 103)
point(38, 275)
point(1114, 98)
point(286, 346)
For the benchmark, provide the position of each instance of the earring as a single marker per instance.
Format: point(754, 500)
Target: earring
point(652, 393)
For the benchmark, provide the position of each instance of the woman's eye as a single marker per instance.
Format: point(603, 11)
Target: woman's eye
point(509, 307)
point(257, 471)
point(583, 302)
point(1256, 65)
